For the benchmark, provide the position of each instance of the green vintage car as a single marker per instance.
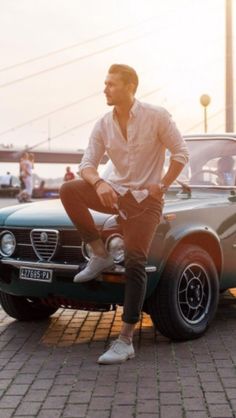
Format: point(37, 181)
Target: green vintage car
point(192, 258)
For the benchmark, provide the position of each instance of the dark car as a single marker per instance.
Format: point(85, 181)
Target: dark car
point(45, 190)
point(192, 257)
point(9, 185)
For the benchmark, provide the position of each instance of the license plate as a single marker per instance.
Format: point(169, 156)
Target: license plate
point(40, 275)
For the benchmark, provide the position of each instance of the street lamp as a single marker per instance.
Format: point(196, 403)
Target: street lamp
point(205, 101)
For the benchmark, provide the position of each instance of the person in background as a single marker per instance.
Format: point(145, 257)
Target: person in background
point(26, 167)
point(23, 159)
point(69, 175)
point(30, 182)
point(135, 135)
point(225, 171)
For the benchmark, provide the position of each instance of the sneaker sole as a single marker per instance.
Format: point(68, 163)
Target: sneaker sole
point(88, 279)
point(116, 362)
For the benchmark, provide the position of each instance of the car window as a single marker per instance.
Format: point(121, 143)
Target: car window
point(212, 162)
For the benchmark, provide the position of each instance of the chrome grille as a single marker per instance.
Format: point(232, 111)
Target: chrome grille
point(44, 242)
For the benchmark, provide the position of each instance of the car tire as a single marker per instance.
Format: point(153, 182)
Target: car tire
point(25, 309)
point(186, 297)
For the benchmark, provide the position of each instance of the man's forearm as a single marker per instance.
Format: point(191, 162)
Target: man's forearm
point(90, 175)
point(173, 172)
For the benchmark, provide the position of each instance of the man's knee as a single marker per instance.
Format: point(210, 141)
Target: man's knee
point(70, 188)
point(64, 191)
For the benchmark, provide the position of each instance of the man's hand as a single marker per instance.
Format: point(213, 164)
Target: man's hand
point(106, 194)
point(155, 190)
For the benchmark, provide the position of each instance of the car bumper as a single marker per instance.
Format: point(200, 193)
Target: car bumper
point(115, 274)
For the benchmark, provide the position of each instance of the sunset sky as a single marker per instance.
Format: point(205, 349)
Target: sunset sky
point(55, 55)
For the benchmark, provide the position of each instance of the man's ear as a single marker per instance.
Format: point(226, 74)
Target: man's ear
point(131, 88)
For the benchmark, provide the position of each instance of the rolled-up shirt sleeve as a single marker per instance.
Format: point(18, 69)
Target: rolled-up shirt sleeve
point(172, 139)
point(95, 150)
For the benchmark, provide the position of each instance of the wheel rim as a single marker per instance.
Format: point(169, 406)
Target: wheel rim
point(194, 293)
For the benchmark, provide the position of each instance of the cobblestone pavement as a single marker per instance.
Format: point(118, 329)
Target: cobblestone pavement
point(48, 369)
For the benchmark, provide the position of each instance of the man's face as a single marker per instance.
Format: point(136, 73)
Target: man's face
point(116, 91)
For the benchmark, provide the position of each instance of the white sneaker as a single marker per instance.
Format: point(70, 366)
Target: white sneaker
point(118, 352)
point(95, 266)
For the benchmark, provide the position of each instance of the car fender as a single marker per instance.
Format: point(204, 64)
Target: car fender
point(198, 234)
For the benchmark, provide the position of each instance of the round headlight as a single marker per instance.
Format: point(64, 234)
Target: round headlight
point(7, 244)
point(87, 251)
point(115, 247)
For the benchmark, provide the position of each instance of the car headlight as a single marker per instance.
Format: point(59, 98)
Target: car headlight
point(115, 247)
point(87, 251)
point(7, 243)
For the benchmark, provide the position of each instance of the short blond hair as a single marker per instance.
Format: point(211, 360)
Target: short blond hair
point(128, 74)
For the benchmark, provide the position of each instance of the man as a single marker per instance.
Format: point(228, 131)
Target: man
point(135, 136)
point(26, 167)
point(69, 175)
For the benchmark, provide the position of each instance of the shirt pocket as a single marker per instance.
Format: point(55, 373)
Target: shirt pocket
point(146, 144)
point(147, 138)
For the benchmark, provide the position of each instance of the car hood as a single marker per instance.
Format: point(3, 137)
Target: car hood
point(47, 213)
point(50, 213)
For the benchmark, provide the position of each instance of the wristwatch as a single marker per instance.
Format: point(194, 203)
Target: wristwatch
point(163, 187)
point(97, 182)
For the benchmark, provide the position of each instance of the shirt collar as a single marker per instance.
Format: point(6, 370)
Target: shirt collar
point(134, 108)
point(133, 111)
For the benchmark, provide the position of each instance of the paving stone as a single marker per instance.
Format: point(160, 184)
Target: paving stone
point(53, 402)
point(168, 411)
point(6, 413)
point(208, 376)
point(50, 413)
point(147, 406)
point(215, 398)
point(212, 386)
point(79, 397)
point(230, 393)
point(57, 390)
point(28, 409)
point(170, 398)
point(194, 404)
point(99, 403)
point(124, 399)
point(24, 379)
point(97, 414)
point(78, 411)
point(36, 395)
point(104, 390)
point(169, 386)
point(122, 411)
point(220, 411)
point(196, 414)
point(5, 383)
point(10, 401)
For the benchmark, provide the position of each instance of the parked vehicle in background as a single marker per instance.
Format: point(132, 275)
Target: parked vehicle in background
point(47, 188)
point(9, 185)
point(192, 257)
point(45, 192)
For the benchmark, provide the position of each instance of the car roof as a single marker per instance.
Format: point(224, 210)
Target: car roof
point(199, 137)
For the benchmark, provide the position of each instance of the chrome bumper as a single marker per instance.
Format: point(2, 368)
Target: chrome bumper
point(69, 267)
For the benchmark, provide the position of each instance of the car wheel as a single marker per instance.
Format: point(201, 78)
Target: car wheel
point(186, 297)
point(25, 309)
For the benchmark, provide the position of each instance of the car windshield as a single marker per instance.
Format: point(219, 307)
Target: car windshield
point(212, 162)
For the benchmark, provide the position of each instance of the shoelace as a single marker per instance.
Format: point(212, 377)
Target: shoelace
point(117, 345)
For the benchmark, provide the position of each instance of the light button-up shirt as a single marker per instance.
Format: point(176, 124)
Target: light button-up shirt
point(139, 160)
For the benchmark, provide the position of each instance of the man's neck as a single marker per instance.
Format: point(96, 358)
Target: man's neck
point(124, 109)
